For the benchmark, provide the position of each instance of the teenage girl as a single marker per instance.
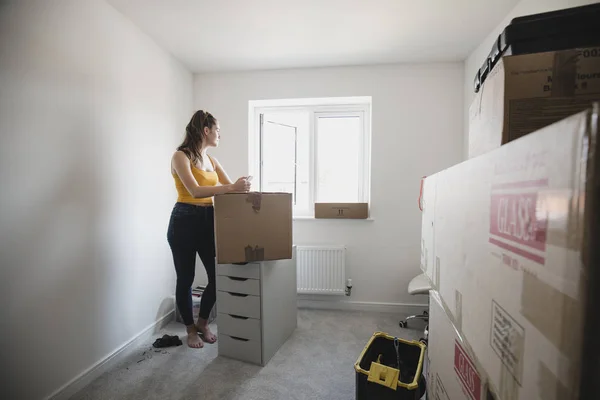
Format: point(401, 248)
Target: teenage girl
point(198, 177)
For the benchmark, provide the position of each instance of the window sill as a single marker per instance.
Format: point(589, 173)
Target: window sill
point(303, 218)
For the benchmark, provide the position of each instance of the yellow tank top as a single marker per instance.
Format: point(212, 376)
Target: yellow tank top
point(204, 178)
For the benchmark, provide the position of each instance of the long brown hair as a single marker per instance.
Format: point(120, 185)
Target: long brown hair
point(194, 135)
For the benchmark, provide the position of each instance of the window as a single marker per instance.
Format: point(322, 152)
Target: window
point(316, 149)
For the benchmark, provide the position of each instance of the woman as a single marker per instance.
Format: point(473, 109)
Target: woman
point(198, 177)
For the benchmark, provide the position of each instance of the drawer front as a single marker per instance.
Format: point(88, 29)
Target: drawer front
point(239, 348)
point(243, 327)
point(244, 305)
point(240, 271)
point(238, 285)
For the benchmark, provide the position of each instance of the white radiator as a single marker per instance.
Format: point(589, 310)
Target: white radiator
point(321, 269)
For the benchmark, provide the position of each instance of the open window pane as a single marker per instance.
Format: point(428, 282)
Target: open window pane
point(285, 156)
point(338, 144)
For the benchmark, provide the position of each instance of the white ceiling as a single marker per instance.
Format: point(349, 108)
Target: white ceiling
point(225, 35)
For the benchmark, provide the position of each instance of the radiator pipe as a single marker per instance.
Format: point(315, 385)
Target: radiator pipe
point(348, 287)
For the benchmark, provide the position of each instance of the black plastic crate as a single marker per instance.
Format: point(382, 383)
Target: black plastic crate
point(377, 375)
point(575, 27)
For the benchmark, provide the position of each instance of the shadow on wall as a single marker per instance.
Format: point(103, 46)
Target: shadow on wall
point(81, 264)
point(167, 306)
point(55, 268)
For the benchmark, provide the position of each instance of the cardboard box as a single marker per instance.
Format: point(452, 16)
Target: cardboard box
point(342, 210)
point(452, 373)
point(525, 93)
point(253, 227)
point(513, 241)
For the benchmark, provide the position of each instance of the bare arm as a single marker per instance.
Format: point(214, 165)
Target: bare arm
point(223, 177)
point(181, 165)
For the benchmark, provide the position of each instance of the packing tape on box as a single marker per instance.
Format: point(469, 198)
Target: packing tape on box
point(558, 317)
point(550, 388)
point(564, 73)
point(255, 199)
point(587, 188)
point(424, 256)
point(436, 274)
point(561, 212)
point(254, 254)
point(459, 308)
point(553, 313)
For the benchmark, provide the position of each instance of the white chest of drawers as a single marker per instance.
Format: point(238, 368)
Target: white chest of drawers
point(257, 310)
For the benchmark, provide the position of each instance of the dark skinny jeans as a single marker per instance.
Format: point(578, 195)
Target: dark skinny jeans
point(191, 231)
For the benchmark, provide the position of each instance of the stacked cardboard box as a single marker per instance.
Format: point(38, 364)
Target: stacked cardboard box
point(525, 93)
point(251, 227)
point(341, 210)
point(506, 242)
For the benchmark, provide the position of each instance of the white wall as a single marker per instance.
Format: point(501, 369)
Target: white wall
point(476, 58)
point(90, 113)
point(417, 130)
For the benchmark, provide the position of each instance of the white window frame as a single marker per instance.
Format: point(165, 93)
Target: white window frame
point(336, 106)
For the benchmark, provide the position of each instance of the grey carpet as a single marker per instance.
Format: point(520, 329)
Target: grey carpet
point(315, 363)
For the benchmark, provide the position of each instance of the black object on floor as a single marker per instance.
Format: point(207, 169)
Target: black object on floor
point(575, 27)
point(167, 341)
point(374, 369)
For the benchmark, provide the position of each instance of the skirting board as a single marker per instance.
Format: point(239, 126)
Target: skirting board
point(395, 308)
point(122, 352)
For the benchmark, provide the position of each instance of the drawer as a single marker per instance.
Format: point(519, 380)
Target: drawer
point(239, 348)
point(238, 285)
point(240, 271)
point(244, 305)
point(243, 327)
